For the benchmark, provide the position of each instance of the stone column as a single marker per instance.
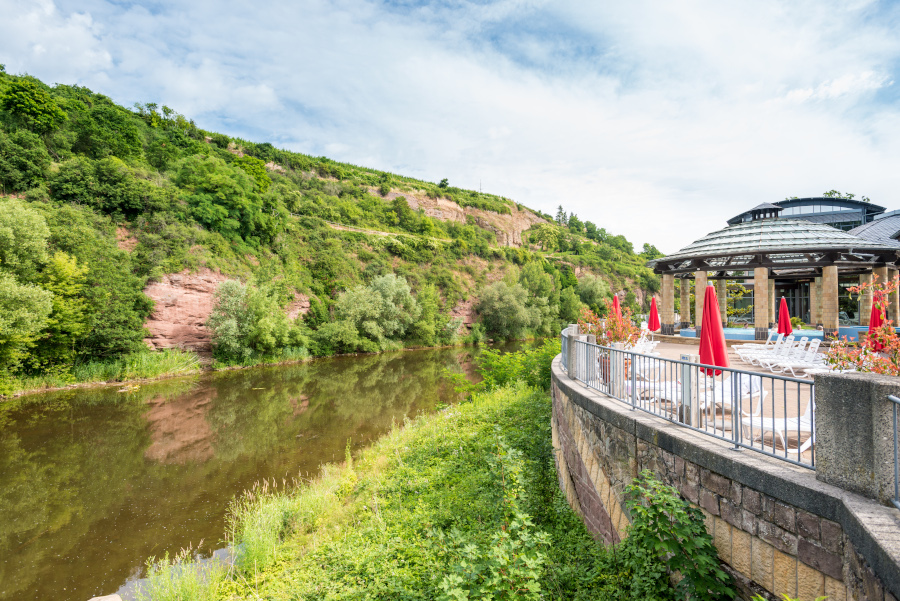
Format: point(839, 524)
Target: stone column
point(699, 294)
point(883, 276)
point(771, 301)
point(667, 318)
point(685, 303)
point(854, 438)
point(830, 300)
point(894, 312)
point(761, 302)
point(722, 295)
point(816, 307)
point(865, 299)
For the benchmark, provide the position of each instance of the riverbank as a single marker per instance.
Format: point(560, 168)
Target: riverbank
point(456, 505)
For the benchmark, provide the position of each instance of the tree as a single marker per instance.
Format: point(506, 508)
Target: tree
point(593, 291)
point(575, 224)
point(23, 239)
point(24, 309)
point(504, 311)
point(382, 311)
point(561, 217)
point(68, 319)
point(546, 235)
point(650, 252)
point(24, 161)
point(29, 103)
point(427, 327)
point(569, 305)
point(444, 184)
point(255, 168)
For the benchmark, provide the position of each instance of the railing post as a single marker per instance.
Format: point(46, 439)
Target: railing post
point(690, 378)
point(617, 370)
point(571, 346)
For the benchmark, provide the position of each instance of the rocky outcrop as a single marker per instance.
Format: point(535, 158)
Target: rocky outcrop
point(508, 228)
point(184, 302)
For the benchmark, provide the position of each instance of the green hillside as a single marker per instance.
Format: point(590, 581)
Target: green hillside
point(78, 174)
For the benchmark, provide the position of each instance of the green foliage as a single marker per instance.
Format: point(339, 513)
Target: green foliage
point(504, 311)
point(248, 322)
point(23, 239)
point(68, 321)
point(180, 579)
point(530, 366)
point(24, 310)
point(255, 168)
point(593, 291)
point(105, 130)
point(24, 161)
point(382, 311)
point(665, 526)
point(569, 305)
point(31, 105)
point(796, 323)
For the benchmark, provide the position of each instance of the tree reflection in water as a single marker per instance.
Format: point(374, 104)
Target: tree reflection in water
point(93, 482)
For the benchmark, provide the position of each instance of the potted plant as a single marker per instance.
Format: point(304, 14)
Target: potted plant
point(609, 330)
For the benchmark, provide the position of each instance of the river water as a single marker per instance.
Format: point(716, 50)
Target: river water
point(95, 481)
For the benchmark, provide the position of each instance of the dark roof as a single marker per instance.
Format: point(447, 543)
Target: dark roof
point(883, 230)
point(766, 205)
point(870, 207)
point(770, 235)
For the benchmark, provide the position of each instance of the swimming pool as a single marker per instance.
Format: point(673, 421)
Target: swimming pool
point(851, 332)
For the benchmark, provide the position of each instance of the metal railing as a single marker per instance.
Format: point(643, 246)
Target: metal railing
point(895, 407)
point(564, 343)
point(765, 412)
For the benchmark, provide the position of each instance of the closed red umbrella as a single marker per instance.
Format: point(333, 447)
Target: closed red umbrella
point(875, 322)
point(616, 308)
point(784, 319)
point(653, 323)
point(712, 338)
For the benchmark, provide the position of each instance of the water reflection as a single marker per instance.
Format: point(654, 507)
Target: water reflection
point(92, 482)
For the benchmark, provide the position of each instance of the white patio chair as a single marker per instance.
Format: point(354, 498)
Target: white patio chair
point(796, 353)
point(782, 429)
point(747, 352)
point(810, 359)
point(769, 345)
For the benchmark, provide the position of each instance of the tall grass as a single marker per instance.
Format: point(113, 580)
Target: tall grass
point(136, 366)
point(181, 579)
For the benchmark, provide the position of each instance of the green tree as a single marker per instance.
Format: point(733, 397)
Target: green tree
point(24, 309)
point(23, 239)
point(68, 319)
point(569, 306)
point(650, 252)
point(427, 327)
point(384, 310)
point(504, 311)
point(107, 129)
point(575, 224)
point(31, 105)
point(255, 168)
point(593, 290)
point(24, 161)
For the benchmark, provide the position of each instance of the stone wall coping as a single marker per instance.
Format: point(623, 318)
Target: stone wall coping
point(872, 528)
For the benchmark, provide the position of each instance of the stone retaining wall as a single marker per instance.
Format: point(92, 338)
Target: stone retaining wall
point(777, 528)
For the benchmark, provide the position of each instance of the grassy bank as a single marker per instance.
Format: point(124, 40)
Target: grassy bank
point(135, 366)
point(462, 504)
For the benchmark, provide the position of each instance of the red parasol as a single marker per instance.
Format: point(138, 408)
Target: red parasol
point(784, 319)
point(712, 338)
point(653, 322)
point(616, 308)
point(875, 322)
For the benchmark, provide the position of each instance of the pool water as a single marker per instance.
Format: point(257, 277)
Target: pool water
point(851, 332)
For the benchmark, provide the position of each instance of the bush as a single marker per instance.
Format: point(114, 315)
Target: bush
point(504, 311)
point(24, 161)
point(384, 310)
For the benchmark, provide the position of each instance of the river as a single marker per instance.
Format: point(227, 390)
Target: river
point(95, 481)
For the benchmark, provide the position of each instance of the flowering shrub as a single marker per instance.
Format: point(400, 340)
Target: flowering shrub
point(611, 328)
point(880, 353)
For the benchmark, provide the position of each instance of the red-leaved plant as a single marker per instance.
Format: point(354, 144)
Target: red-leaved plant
point(863, 356)
point(611, 328)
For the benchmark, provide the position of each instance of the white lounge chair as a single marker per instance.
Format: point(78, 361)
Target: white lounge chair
point(783, 429)
point(796, 353)
point(809, 360)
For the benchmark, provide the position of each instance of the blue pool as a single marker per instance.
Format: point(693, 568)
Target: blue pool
point(851, 332)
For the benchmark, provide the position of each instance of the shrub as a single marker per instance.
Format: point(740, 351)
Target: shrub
point(504, 311)
point(593, 290)
point(383, 310)
point(24, 161)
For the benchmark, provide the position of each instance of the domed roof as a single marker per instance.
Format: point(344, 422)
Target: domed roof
point(778, 240)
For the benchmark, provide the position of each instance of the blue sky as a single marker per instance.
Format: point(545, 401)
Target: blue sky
point(657, 120)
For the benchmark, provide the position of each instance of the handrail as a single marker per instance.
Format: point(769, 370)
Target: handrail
point(750, 410)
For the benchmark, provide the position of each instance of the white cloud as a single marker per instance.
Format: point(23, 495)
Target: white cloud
point(655, 120)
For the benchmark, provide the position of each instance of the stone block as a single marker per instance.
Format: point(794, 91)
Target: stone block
point(748, 522)
point(785, 574)
point(740, 551)
point(690, 491)
point(752, 501)
point(679, 466)
point(832, 536)
point(714, 482)
point(736, 493)
point(722, 539)
point(820, 559)
point(710, 522)
point(762, 563)
point(810, 583)
point(777, 537)
point(872, 586)
point(730, 512)
point(691, 472)
point(835, 590)
point(808, 525)
point(784, 517)
point(709, 501)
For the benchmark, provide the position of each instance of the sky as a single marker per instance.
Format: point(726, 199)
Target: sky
point(656, 120)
